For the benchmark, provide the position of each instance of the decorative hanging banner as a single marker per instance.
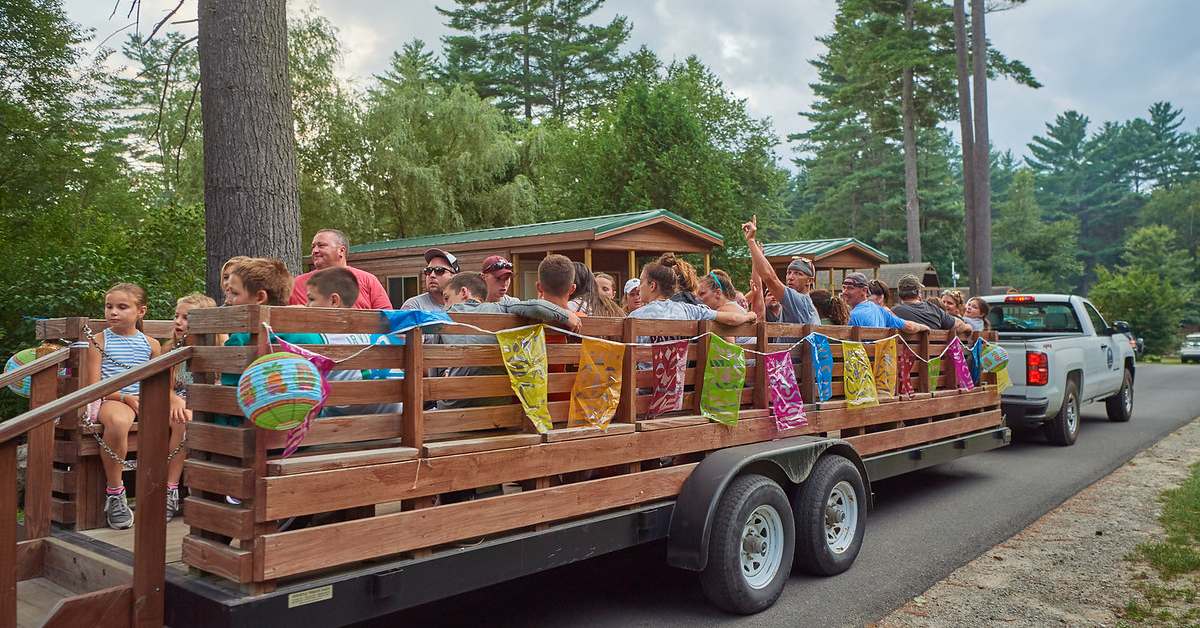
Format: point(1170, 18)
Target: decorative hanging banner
point(994, 359)
point(398, 322)
point(324, 366)
point(905, 359)
point(935, 373)
point(822, 357)
point(857, 379)
point(786, 402)
point(724, 379)
point(962, 373)
point(669, 361)
point(885, 367)
point(973, 360)
point(524, 353)
point(597, 389)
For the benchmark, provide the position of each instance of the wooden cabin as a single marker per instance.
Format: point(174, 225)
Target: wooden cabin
point(616, 244)
point(833, 258)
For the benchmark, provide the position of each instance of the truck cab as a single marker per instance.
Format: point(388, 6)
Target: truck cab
point(1062, 353)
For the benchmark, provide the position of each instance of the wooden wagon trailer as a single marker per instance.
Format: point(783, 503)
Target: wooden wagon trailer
point(402, 509)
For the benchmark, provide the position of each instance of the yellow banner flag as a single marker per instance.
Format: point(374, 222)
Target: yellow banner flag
point(1003, 382)
point(597, 389)
point(524, 353)
point(885, 367)
point(857, 380)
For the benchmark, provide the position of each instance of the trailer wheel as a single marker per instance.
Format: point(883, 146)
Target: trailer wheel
point(1064, 427)
point(751, 547)
point(830, 517)
point(1120, 406)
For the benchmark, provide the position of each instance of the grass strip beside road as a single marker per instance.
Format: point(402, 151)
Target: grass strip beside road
point(1171, 597)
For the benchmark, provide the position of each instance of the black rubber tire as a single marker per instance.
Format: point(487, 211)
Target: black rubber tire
point(722, 580)
point(813, 554)
point(1058, 430)
point(1115, 405)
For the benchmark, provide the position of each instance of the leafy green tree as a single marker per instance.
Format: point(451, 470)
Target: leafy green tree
point(538, 56)
point(1034, 254)
point(1179, 209)
point(1151, 289)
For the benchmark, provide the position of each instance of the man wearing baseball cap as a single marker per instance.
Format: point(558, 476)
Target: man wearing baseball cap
point(797, 306)
point(912, 308)
point(440, 267)
point(866, 313)
point(498, 275)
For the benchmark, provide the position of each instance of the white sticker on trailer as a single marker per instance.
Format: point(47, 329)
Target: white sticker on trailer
point(309, 596)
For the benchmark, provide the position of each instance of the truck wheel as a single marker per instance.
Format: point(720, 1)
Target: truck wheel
point(1120, 405)
point(1063, 429)
point(830, 517)
point(750, 551)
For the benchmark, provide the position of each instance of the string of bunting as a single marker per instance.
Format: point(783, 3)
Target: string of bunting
point(596, 391)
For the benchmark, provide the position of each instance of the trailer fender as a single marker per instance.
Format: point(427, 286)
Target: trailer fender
point(788, 461)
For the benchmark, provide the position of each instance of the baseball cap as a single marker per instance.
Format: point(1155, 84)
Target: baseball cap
point(498, 266)
point(857, 279)
point(632, 284)
point(432, 253)
point(802, 265)
point(909, 286)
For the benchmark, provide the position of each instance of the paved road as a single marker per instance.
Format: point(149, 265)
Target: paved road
point(924, 526)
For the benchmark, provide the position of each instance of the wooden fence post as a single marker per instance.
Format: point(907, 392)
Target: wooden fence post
point(923, 365)
point(701, 362)
point(412, 418)
point(808, 374)
point(762, 398)
point(40, 467)
point(150, 526)
point(8, 533)
point(627, 409)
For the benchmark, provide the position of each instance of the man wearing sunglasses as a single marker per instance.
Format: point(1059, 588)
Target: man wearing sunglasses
point(498, 275)
point(440, 267)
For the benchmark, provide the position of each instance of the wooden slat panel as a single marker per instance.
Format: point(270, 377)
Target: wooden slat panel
point(31, 556)
point(80, 569)
point(220, 518)
point(236, 359)
point(483, 443)
point(291, 553)
point(917, 434)
point(340, 460)
point(223, 399)
point(220, 479)
point(221, 439)
point(61, 510)
point(221, 320)
point(448, 355)
point(651, 327)
point(8, 532)
point(63, 481)
point(484, 386)
point(106, 608)
point(342, 429)
point(89, 447)
point(587, 431)
point(218, 558)
point(482, 418)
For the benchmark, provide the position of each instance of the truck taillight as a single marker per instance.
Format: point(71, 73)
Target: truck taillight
point(1037, 368)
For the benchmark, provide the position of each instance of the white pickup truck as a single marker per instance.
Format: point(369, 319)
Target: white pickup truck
point(1061, 353)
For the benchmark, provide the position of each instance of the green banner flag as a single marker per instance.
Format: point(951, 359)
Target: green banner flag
point(724, 378)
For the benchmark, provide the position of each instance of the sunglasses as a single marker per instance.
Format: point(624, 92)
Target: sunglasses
point(497, 266)
point(438, 270)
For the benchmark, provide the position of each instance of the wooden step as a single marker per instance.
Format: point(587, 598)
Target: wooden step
point(72, 586)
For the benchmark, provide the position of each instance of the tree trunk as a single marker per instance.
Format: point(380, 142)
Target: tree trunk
point(527, 95)
point(251, 199)
point(966, 130)
point(912, 207)
point(981, 278)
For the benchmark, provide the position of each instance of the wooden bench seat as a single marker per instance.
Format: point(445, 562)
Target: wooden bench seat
point(340, 460)
point(479, 441)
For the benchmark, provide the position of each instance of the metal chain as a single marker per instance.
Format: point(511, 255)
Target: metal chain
point(128, 465)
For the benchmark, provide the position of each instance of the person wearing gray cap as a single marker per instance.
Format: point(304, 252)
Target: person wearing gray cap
point(440, 267)
point(867, 313)
point(797, 306)
point(912, 308)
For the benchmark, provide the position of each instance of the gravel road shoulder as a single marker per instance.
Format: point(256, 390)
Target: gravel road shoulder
point(1071, 567)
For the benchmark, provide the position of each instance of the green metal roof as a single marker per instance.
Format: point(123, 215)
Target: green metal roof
point(816, 248)
point(599, 225)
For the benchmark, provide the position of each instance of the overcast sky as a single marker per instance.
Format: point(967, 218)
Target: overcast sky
point(1108, 59)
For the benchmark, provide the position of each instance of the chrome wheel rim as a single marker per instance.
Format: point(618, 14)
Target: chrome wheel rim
point(761, 550)
point(841, 517)
point(1127, 398)
point(1072, 414)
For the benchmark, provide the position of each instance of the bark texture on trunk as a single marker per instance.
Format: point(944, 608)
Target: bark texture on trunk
point(981, 278)
point(912, 207)
point(251, 198)
point(967, 131)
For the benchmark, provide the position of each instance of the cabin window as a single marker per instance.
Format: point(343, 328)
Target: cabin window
point(400, 289)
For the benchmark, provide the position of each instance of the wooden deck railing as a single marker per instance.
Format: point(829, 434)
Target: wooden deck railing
point(369, 482)
point(147, 589)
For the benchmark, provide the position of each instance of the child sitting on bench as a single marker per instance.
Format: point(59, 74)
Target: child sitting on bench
point(338, 287)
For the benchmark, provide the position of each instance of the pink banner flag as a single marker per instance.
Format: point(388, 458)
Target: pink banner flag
point(786, 402)
point(669, 360)
point(962, 372)
point(904, 365)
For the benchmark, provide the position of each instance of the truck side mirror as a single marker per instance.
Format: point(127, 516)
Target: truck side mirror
point(1121, 327)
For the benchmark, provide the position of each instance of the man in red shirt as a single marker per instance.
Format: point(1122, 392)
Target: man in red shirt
point(329, 248)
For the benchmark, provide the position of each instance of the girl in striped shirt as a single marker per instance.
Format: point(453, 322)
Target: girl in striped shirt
point(122, 346)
